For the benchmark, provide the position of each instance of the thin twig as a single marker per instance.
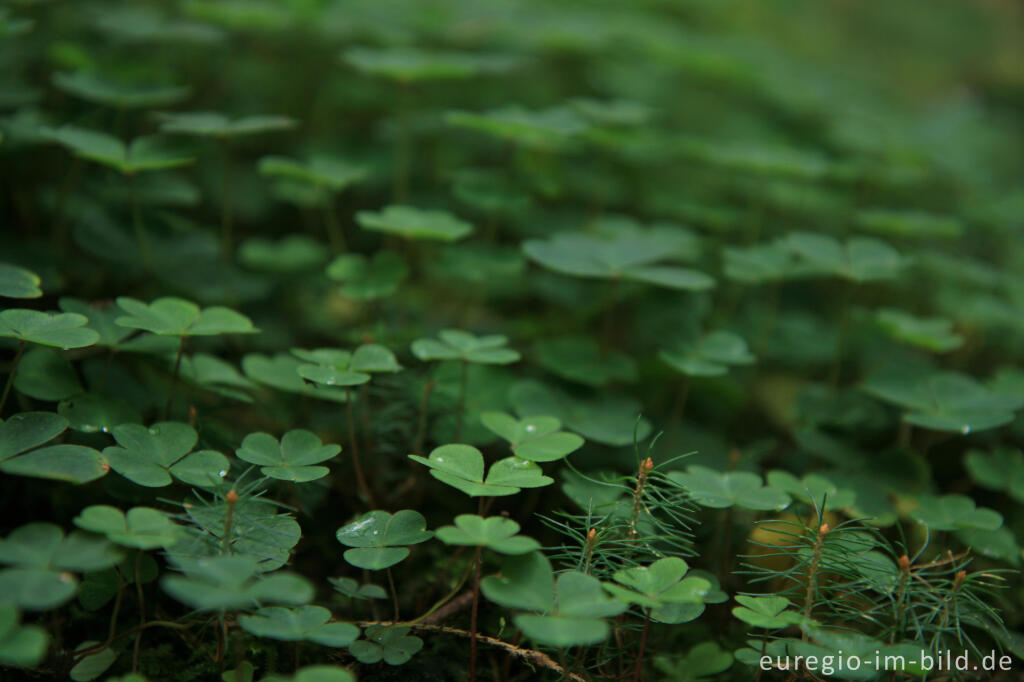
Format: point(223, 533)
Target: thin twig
point(531, 656)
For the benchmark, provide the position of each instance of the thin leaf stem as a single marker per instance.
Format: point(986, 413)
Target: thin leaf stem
point(394, 594)
point(473, 615)
point(364, 487)
point(462, 402)
point(335, 235)
point(174, 377)
point(10, 377)
point(140, 227)
point(142, 611)
point(643, 645)
point(226, 215)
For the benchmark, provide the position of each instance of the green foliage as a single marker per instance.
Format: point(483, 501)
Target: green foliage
point(18, 282)
point(302, 623)
point(415, 223)
point(61, 330)
point(572, 608)
point(715, 489)
point(153, 457)
point(378, 538)
point(706, 326)
point(711, 355)
point(462, 467)
point(230, 582)
point(536, 439)
point(140, 527)
point(289, 459)
point(495, 533)
point(454, 344)
point(178, 317)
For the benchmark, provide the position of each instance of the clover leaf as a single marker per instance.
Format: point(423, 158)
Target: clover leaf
point(415, 223)
point(954, 512)
point(658, 584)
point(1000, 469)
point(20, 454)
point(711, 355)
point(281, 371)
point(944, 401)
point(90, 413)
point(47, 374)
point(462, 467)
point(350, 588)
point(210, 373)
point(582, 360)
point(812, 489)
point(41, 560)
point(700, 662)
point(170, 316)
point(150, 456)
point(408, 65)
point(536, 439)
point(617, 254)
point(765, 612)
point(149, 153)
point(543, 128)
point(720, 490)
point(393, 645)
point(759, 263)
point(20, 645)
point(302, 623)
point(289, 459)
point(327, 172)
point(141, 528)
point(526, 582)
point(95, 88)
point(609, 419)
point(859, 259)
point(92, 665)
point(231, 583)
point(455, 344)
point(571, 609)
point(292, 253)
point(212, 124)
point(368, 279)
point(379, 539)
point(101, 317)
point(336, 367)
point(309, 673)
point(496, 532)
point(913, 224)
point(577, 619)
point(18, 282)
point(62, 330)
point(930, 333)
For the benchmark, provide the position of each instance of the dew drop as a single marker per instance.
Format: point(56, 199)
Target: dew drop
point(222, 473)
point(440, 459)
point(965, 429)
point(530, 428)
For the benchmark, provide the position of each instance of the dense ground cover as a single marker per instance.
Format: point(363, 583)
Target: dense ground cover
point(510, 340)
